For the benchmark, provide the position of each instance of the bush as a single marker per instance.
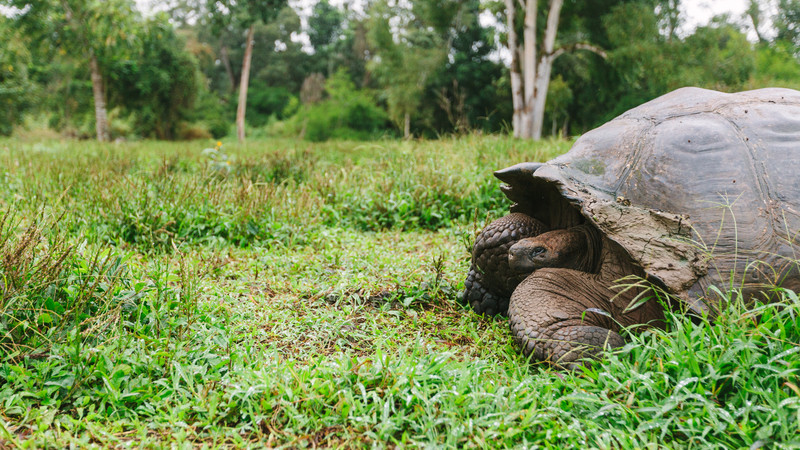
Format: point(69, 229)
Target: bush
point(347, 113)
point(264, 102)
point(210, 110)
point(219, 128)
point(776, 67)
point(356, 121)
point(190, 132)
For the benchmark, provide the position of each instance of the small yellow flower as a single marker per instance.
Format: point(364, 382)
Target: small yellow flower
point(219, 143)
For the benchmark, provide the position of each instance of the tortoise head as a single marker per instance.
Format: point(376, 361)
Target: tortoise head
point(571, 248)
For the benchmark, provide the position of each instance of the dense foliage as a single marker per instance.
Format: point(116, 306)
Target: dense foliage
point(426, 67)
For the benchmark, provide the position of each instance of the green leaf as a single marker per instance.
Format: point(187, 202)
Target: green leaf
point(44, 318)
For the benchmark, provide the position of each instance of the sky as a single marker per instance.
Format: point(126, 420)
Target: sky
point(699, 12)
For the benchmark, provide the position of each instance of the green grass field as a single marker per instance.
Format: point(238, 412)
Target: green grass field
point(293, 295)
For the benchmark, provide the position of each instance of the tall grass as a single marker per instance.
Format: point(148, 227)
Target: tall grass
point(152, 195)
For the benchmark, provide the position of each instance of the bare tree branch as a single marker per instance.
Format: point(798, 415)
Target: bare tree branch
point(580, 46)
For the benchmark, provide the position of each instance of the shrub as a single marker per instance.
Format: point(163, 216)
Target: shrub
point(266, 101)
point(347, 113)
point(188, 132)
point(51, 289)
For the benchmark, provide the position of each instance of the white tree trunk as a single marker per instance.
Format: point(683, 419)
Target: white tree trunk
point(99, 91)
point(530, 77)
point(407, 126)
point(545, 67)
point(528, 68)
point(245, 80)
point(542, 84)
point(516, 79)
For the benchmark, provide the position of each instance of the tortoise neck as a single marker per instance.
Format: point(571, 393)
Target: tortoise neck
point(589, 261)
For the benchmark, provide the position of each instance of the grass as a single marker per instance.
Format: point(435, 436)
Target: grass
point(290, 295)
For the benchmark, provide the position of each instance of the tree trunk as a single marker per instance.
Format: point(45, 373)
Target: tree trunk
point(226, 61)
point(99, 91)
point(541, 86)
point(516, 79)
point(542, 82)
point(407, 126)
point(530, 76)
point(528, 69)
point(245, 80)
point(98, 88)
point(754, 12)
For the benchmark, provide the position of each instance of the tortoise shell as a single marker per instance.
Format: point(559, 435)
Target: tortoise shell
point(700, 188)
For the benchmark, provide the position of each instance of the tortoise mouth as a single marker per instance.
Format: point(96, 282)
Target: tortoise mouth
point(525, 257)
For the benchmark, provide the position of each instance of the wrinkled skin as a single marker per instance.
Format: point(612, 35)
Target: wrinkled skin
point(573, 248)
point(490, 280)
point(563, 315)
point(568, 307)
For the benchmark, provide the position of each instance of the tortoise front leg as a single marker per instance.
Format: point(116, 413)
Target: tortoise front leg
point(490, 281)
point(481, 299)
point(563, 316)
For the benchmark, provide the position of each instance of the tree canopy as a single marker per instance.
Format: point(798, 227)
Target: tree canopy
point(105, 69)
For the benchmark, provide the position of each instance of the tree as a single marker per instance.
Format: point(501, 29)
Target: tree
point(717, 56)
point(777, 56)
point(100, 31)
point(532, 61)
point(244, 14)
point(283, 63)
point(646, 60)
point(325, 27)
point(641, 57)
point(159, 84)
point(470, 87)
point(558, 99)
point(405, 58)
point(755, 14)
point(15, 86)
point(787, 23)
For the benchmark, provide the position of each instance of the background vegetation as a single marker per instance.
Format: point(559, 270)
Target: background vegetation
point(174, 71)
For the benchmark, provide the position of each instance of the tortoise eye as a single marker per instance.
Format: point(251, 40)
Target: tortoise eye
point(536, 251)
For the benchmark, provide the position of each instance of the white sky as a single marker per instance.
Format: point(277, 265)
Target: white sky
point(699, 12)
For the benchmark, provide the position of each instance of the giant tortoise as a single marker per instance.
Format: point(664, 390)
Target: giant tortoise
point(694, 189)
